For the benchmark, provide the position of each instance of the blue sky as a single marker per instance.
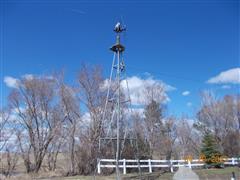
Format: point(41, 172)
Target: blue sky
point(182, 43)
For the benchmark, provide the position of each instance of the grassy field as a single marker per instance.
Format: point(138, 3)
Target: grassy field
point(221, 174)
point(204, 174)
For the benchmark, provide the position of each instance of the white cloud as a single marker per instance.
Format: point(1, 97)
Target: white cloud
point(134, 111)
point(189, 104)
point(139, 111)
point(11, 82)
point(230, 76)
point(140, 89)
point(185, 93)
point(28, 76)
point(147, 74)
point(226, 87)
point(143, 89)
point(86, 117)
point(32, 76)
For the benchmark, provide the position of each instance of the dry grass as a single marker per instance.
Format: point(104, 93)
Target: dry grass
point(210, 174)
point(204, 174)
point(218, 174)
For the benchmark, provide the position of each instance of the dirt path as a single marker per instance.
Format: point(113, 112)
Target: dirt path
point(185, 173)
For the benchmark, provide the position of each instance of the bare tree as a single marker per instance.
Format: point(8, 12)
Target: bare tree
point(72, 118)
point(35, 102)
point(4, 135)
point(90, 80)
point(161, 131)
point(187, 139)
point(154, 125)
point(142, 145)
point(154, 97)
point(10, 159)
point(219, 116)
point(54, 148)
point(231, 144)
point(153, 92)
point(238, 111)
point(170, 134)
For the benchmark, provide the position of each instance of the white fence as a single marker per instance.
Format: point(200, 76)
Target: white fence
point(150, 164)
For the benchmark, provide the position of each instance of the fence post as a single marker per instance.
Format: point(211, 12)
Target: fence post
point(124, 166)
point(189, 164)
point(99, 166)
point(150, 165)
point(171, 166)
point(233, 161)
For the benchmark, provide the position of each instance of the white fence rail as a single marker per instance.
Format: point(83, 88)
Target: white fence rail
point(150, 164)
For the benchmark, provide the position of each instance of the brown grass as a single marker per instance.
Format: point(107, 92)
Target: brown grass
point(20, 174)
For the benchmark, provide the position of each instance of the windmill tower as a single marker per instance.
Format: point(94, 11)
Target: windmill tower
point(117, 134)
point(118, 49)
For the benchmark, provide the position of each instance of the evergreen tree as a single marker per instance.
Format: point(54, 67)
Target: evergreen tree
point(210, 153)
